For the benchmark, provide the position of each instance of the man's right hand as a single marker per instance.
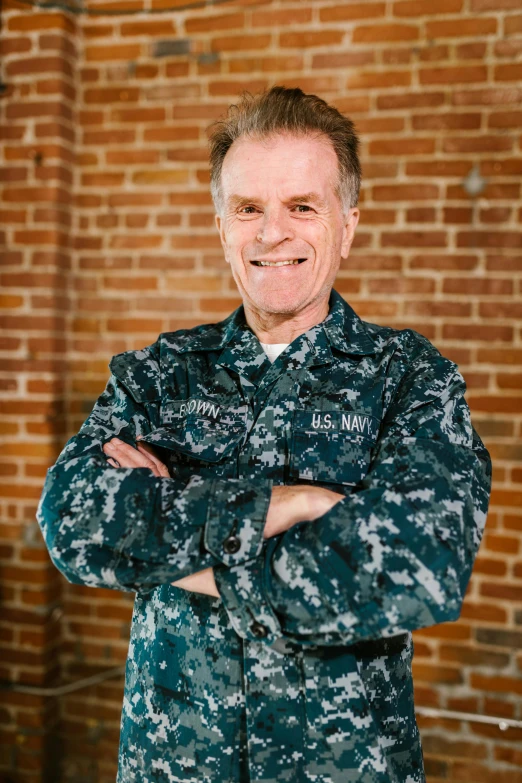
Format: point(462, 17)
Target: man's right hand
point(298, 503)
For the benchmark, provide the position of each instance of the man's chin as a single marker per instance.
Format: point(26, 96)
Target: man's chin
point(284, 303)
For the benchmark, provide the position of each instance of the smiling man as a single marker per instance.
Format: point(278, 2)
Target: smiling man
point(289, 492)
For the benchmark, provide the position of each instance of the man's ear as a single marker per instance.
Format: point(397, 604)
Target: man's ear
point(350, 224)
point(220, 227)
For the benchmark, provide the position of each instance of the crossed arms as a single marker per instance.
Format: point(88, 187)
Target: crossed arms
point(393, 556)
point(288, 505)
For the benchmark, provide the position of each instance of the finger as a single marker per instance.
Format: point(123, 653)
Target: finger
point(149, 451)
point(128, 456)
point(113, 463)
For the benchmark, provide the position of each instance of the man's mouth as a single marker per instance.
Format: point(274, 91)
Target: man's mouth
point(287, 262)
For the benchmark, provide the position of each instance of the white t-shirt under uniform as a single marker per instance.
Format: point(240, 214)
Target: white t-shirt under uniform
point(273, 350)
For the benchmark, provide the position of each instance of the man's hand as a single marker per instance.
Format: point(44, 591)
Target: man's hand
point(200, 582)
point(124, 456)
point(298, 503)
point(121, 455)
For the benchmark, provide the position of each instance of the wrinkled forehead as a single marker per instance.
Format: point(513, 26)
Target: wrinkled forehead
point(282, 161)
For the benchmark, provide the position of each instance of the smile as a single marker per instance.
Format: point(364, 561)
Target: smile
point(289, 262)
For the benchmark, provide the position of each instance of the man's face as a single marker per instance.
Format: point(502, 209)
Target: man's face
point(283, 228)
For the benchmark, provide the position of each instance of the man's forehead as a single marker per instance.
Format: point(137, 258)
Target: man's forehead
point(299, 167)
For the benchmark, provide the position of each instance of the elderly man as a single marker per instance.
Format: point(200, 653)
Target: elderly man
point(289, 492)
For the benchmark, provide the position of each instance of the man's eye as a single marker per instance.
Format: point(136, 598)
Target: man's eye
point(303, 208)
point(247, 210)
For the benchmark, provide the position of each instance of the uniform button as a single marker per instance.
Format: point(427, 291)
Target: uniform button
point(231, 545)
point(259, 630)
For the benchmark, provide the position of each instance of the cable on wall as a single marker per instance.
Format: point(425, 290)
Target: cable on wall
point(503, 724)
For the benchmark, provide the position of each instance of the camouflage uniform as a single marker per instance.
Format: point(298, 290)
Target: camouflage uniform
point(301, 671)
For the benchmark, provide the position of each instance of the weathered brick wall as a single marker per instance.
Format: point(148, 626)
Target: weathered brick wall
point(38, 130)
point(109, 237)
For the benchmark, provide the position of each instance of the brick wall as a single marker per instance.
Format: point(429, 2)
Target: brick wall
point(109, 239)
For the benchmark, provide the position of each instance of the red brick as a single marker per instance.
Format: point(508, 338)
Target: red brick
point(507, 404)
point(433, 673)
point(402, 285)
point(478, 144)
point(410, 192)
point(32, 109)
point(45, 21)
point(460, 28)
point(486, 97)
point(505, 119)
point(14, 46)
point(342, 59)
point(508, 48)
point(237, 43)
point(38, 65)
point(141, 114)
point(111, 94)
point(478, 287)
point(369, 79)
point(209, 23)
point(457, 214)
point(144, 28)
point(453, 75)
point(109, 137)
point(233, 88)
point(508, 73)
point(394, 147)
point(282, 17)
point(414, 239)
point(500, 356)
point(438, 168)
point(450, 121)
point(485, 613)
point(495, 215)
point(385, 32)
point(438, 310)
point(426, 7)
point(113, 52)
point(305, 39)
point(478, 334)
point(433, 52)
point(350, 12)
point(489, 239)
point(494, 5)
point(511, 380)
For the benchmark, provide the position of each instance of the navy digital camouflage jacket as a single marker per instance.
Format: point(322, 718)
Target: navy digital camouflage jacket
point(301, 670)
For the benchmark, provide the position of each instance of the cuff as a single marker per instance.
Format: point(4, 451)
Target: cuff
point(236, 520)
point(242, 591)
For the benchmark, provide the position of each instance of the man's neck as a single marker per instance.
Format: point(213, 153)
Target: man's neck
point(284, 327)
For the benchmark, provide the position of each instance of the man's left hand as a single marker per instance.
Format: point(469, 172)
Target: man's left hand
point(122, 455)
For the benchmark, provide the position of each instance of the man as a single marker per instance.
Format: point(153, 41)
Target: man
point(284, 522)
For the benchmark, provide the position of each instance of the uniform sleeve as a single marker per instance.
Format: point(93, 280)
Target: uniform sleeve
point(128, 530)
point(396, 554)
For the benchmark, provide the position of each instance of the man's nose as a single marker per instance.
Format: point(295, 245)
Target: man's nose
point(275, 227)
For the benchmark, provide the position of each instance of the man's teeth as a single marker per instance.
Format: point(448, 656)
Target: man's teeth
point(278, 263)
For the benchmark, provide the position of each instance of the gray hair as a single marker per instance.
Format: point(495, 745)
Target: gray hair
point(287, 110)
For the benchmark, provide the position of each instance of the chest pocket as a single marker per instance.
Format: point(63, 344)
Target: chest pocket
point(332, 447)
point(198, 445)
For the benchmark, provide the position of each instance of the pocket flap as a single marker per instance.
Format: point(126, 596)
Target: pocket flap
point(197, 438)
point(332, 446)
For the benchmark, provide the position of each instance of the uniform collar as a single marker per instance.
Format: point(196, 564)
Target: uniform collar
point(342, 327)
point(241, 353)
point(345, 330)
